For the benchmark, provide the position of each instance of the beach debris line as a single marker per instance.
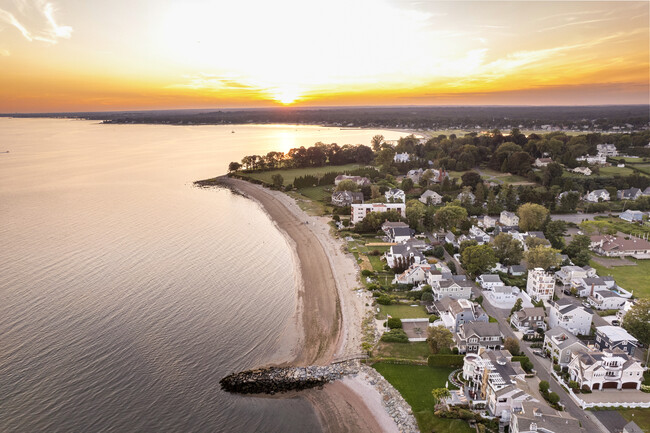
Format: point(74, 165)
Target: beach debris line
point(282, 379)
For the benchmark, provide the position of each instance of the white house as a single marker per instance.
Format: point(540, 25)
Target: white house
point(609, 369)
point(404, 252)
point(400, 234)
point(593, 159)
point(359, 211)
point(568, 273)
point(597, 195)
point(528, 319)
point(401, 157)
point(488, 282)
point(632, 215)
point(535, 417)
point(430, 198)
point(508, 219)
point(395, 195)
point(473, 337)
point(487, 221)
point(582, 170)
point(466, 195)
point(588, 285)
point(455, 289)
point(540, 285)
point(506, 295)
point(560, 344)
point(476, 232)
point(574, 318)
point(542, 162)
point(606, 300)
point(415, 274)
point(607, 150)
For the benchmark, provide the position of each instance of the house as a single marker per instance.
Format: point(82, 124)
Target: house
point(646, 192)
point(528, 319)
point(615, 337)
point(401, 157)
point(346, 198)
point(542, 162)
point(415, 175)
point(359, 211)
point(488, 282)
point(595, 160)
point(438, 175)
point(620, 246)
point(588, 285)
point(540, 285)
point(473, 337)
point(606, 150)
point(566, 274)
point(559, 344)
point(629, 194)
point(466, 195)
point(508, 399)
point(597, 196)
point(395, 195)
point(632, 215)
point(450, 238)
point(415, 274)
point(401, 252)
point(582, 170)
point(606, 300)
point(400, 234)
point(517, 270)
point(487, 221)
point(455, 312)
point(607, 369)
point(534, 417)
point(430, 198)
point(361, 181)
point(508, 219)
point(452, 289)
point(504, 294)
point(390, 224)
point(574, 318)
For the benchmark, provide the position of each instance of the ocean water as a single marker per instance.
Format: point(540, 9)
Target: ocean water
point(126, 293)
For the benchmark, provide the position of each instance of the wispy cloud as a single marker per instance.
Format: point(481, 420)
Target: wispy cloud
point(43, 25)
point(574, 23)
point(4, 53)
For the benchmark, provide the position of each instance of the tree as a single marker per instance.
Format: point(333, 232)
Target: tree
point(637, 320)
point(600, 227)
point(471, 179)
point(542, 257)
point(518, 306)
point(347, 185)
point(534, 241)
point(450, 216)
point(478, 259)
point(543, 387)
point(582, 258)
point(532, 216)
point(407, 184)
point(384, 158)
point(278, 180)
point(512, 345)
point(376, 142)
point(234, 166)
point(439, 338)
point(507, 249)
point(427, 296)
point(439, 394)
point(577, 245)
point(553, 398)
point(554, 232)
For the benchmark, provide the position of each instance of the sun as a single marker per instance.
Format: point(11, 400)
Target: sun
point(286, 96)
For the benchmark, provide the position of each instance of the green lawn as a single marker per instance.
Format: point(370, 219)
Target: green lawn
point(631, 159)
point(631, 278)
point(611, 171)
point(418, 350)
point(291, 174)
point(644, 168)
point(624, 226)
point(402, 311)
point(415, 383)
point(640, 416)
point(317, 193)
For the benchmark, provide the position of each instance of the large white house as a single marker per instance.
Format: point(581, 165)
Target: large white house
point(540, 284)
point(508, 219)
point(361, 181)
point(566, 274)
point(404, 252)
point(607, 150)
point(359, 211)
point(474, 337)
point(609, 369)
point(488, 281)
point(430, 198)
point(535, 417)
point(597, 195)
point(606, 300)
point(574, 318)
point(395, 195)
point(401, 157)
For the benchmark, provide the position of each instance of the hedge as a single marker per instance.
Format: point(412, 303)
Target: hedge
point(445, 360)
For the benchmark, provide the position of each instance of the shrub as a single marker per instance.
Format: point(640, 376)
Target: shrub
point(395, 336)
point(427, 297)
point(445, 360)
point(553, 398)
point(366, 273)
point(557, 368)
point(439, 252)
point(433, 318)
point(573, 385)
point(384, 300)
point(394, 322)
point(543, 387)
point(526, 363)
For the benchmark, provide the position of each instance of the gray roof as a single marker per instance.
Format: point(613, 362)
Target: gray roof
point(448, 283)
point(490, 278)
point(567, 338)
point(615, 333)
point(401, 231)
point(632, 427)
point(550, 420)
point(481, 329)
point(518, 268)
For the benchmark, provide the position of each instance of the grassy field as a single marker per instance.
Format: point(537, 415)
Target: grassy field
point(504, 178)
point(628, 159)
point(640, 416)
point(644, 168)
point(624, 226)
point(402, 311)
point(291, 174)
point(415, 383)
point(418, 350)
point(612, 171)
point(631, 278)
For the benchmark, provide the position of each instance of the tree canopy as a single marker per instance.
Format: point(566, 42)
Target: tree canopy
point(532, 216)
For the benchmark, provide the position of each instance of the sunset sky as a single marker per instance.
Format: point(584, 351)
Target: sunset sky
point(91, 55)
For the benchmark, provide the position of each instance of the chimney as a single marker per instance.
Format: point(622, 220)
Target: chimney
point(592, 290)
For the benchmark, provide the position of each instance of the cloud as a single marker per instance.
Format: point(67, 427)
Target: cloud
point(42, 22)
point(4, 53)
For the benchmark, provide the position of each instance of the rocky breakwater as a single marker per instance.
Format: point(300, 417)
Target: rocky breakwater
point(282, 379)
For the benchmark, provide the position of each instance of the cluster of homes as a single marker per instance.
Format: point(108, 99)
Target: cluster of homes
point(600, 195)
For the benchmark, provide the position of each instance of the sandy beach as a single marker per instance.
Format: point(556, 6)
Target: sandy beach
point(329, 312)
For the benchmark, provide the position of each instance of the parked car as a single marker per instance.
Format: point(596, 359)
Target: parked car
point(538, 353)
point(586, 304)
point(616, 322)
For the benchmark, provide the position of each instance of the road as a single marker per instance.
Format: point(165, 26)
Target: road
point(586, 418)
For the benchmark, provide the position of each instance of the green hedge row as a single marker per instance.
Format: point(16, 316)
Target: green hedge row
point(445, 360)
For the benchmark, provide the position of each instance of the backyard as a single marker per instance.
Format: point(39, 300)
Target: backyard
point(418, 351)
point(402, 311)
point(291, 174)
point(640, 416)
point(631, 278)
point(415, 383)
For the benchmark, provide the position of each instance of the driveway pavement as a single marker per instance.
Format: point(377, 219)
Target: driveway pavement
point(611, 419)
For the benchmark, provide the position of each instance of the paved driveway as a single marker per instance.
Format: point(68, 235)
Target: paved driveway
point(611, 419)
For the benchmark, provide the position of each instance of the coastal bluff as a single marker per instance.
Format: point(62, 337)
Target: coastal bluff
point(274, 380)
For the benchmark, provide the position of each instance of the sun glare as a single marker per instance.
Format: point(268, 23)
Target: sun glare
point(286, 96)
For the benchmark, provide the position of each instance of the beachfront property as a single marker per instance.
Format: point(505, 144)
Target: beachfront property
point(620, 246)
point(386, 226)
point(574, 318)
point(529, 319)
point(606, 150)
point(632, 216)
point(597, 196)
point(560, 344)
point(535, 417)
point(430, 198)
point(508, 219)
point(400, 234)
point(607, 369)
point(474, 337)
point(542, 162)
point(401, 157)
point(402, 252)
point(346, 198)
point(416, 273)
point(629, 194)
point(540, 285)
point(451, 288)
point(488, 281)
point(359, 211)
point(615, 337)
point(395, 195)
point(361, 181)
point(455, 312)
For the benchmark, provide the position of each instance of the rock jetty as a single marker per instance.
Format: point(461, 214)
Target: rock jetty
point(282, 379)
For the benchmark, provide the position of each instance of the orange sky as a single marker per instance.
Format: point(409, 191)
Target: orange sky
point(61, 55)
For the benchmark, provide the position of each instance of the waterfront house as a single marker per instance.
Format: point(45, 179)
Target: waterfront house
point(406, 253)
point(395, 195)
point(451, 288)
point(615, 337)
point(574, 318)
point(473, 337)
point(415, 274)
point(607, 369)
point(359, 211)
point(528, 319)
point(346, 198)
point(455, 312)
point(386, 226)
point(560, 344)
point(400, 234)
point(430, 198)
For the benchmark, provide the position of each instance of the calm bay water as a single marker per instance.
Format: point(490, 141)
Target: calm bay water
point(126, 293)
